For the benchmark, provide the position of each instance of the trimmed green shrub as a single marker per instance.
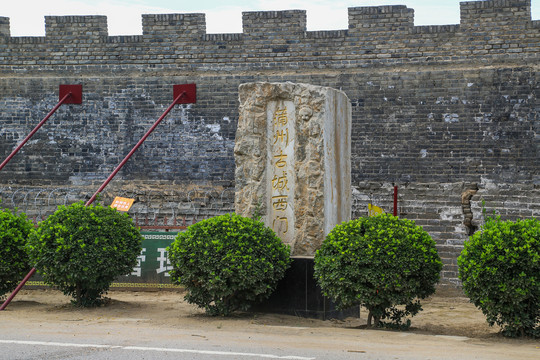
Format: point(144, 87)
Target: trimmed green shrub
point(500, 270)
point(82, 249)
point(227, 263)
point(380, 263)
point(14, 262)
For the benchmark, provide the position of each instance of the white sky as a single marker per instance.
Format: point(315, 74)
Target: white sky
point(124, 16)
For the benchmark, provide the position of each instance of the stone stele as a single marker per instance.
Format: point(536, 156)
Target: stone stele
point(293, 160)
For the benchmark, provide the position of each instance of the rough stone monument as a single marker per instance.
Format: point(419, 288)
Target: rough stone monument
point(293, 160)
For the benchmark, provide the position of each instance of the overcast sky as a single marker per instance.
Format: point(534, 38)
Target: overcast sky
point(124, 16)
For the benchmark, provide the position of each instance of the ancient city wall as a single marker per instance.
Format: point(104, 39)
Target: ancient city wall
point(448, 113)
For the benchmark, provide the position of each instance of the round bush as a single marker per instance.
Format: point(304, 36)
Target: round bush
point(500, 270)
point(14, 261)
point(227, 263)
point(379, 262)
point(82, 249)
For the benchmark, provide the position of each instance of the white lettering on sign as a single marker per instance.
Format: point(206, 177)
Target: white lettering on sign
point(137, 271)
point(163, 259)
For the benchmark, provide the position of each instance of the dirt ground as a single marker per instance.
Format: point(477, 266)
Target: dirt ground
point(443, 314)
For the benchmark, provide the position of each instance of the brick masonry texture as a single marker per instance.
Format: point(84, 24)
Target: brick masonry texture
point(448, 113)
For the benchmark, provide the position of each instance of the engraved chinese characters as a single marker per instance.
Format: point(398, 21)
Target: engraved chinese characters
point(281, 135)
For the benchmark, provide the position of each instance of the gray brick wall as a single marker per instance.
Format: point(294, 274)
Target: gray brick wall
point(448, 113)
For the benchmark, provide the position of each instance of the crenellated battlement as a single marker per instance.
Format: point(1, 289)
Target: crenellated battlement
point(385, 18)
point(381, 18)
point(260, 23)
point(495, 12)
point(4, 27)
point(380, 32)
point(191, 25)
point(74, 27)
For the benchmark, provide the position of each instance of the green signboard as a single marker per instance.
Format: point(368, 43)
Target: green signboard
point(152, 270)
point(153, 266)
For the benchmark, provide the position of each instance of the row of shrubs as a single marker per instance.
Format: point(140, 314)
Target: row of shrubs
point(229, 262)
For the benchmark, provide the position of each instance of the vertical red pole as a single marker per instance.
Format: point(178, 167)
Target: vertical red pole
point(122, 163)
point(395, 200)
